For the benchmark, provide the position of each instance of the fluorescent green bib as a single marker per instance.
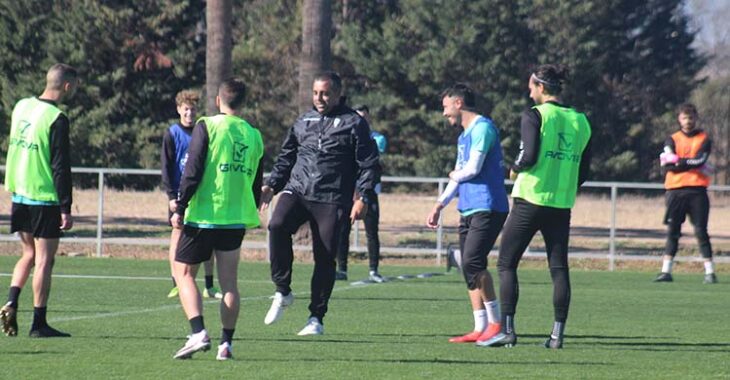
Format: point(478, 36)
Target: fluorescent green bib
point(553, 180)
point(225, 196)
point(28, 166)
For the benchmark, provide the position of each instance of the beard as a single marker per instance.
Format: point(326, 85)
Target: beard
point(457, 122)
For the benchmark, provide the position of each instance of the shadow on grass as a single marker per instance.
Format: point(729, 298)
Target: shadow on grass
point(388, 299)
point(23, 353)
point(433, 361)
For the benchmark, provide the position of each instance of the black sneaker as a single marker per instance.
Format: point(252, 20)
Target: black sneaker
point(47, 332)
point(341, 275)
point(710, 278)
point(554, 343)
point(664, 277)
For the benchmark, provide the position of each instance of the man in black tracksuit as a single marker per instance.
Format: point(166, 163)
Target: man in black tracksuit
point(325, 157)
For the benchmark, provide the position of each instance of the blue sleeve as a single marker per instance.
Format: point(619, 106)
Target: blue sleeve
point(380, 141)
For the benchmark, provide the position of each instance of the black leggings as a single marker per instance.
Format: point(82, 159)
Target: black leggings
point(324, 220)
point(680, 203)
point(524, 220)
point(372, 218)
point(477, 234)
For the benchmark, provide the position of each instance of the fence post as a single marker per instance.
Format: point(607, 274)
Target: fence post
point(440, 230)
point(612, 237)
point(100, 214)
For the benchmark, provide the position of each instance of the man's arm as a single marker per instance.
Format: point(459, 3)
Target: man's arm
point(366, 156)
point(284, 162)
point(689, 163)
point(61, 162)
point(584, 171)
point(529, 140)
point(194, 167)
point(257, 182)
point(168, 160)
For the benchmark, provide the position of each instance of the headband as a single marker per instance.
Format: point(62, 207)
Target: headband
point(549, 84)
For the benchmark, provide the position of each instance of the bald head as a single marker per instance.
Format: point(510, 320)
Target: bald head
point(59, 75)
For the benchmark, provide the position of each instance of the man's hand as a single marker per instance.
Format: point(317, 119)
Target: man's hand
point(267, 193)
point(67, 221)
point(359, 210)
point(177, 221)
point(173, 205)
point(432, 221)
point(668, 159)
point(512, 175)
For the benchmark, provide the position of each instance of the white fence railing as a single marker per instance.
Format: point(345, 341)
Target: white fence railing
point(438, 250)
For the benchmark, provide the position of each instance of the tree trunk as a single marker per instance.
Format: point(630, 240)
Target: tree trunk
point(217, 49)
point(316, 55)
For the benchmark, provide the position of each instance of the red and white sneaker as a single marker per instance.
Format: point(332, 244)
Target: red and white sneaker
point(224, 352)
point(196, 342)
point(493, 329)
point(468, 338)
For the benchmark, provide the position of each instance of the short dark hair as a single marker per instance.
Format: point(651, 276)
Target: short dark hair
point(362, 108)
point(330, 76)
point(59, 74)
point(463, 91)
point(551, 77)
point(232, 92)
point(688, 109)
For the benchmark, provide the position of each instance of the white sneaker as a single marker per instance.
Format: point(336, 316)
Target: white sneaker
point(196, 342)
point(313, 327)
point(376, 277)
point(224, 352)
point(280, 303)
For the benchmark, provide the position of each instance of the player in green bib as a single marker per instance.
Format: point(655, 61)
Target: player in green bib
point(219, 194)
point(553, 161)
point(38, 174)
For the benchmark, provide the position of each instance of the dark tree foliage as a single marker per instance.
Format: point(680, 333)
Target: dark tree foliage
point(132, 57)
point(631, 63)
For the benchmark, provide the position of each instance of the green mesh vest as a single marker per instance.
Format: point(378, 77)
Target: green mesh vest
point(225, 196)
point(553, 180)
point(28, 167)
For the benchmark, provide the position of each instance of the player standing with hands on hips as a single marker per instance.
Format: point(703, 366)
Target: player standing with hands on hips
point(553, 162)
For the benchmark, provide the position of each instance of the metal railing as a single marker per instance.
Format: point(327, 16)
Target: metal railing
point(438, 250)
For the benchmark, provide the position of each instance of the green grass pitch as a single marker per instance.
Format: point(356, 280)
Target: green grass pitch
point(621, 325)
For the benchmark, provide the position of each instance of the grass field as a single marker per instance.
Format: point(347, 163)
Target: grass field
point(621, 325)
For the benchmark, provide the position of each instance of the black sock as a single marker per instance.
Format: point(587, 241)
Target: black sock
point(508, 323)
point(174, 283)
point(208, 282)
point(197, 325)
point(39, 318)
point(558, 329)
point(13, 296)
point(227, 336)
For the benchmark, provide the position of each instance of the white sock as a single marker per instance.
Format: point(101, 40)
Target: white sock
point(492, 311)
point(667, 266)
point(709, 267)
point(480, 320)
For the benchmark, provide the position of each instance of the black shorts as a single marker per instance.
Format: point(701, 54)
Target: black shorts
point(196, 245)
point(41, 221)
